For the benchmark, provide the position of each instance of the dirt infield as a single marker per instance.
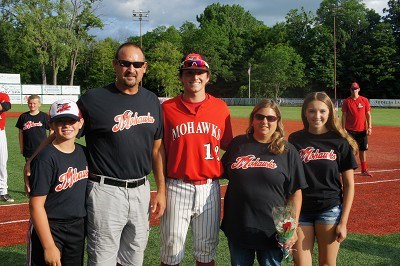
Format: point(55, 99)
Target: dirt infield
point(375, 208)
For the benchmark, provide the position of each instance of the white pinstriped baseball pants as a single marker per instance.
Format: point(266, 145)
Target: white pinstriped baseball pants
point(3, 163)
point(198, 206)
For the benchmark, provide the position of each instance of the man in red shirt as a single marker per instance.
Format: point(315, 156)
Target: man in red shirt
point(196, 126)
point(356, 119)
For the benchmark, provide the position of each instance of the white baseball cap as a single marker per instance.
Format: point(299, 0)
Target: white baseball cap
point(64, 108)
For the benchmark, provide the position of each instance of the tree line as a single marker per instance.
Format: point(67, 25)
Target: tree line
point(342, 41)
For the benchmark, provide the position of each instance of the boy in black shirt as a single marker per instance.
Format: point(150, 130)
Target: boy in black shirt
point(57, 197)
point(33, 126)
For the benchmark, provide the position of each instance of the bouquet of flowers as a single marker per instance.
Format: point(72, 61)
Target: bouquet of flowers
point(285, 225)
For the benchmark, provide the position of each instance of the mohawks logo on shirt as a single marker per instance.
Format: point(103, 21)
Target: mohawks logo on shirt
point(126, 120)
point(312, 154)
point(69, 178)
point(196, 128)
point(31, 124)
point(250, 161)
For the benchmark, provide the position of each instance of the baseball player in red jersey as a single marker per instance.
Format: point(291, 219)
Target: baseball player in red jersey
point(196, 126)
point(5, 105)
point(357, 120)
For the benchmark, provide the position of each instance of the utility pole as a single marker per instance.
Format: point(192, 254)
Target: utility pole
point(335, 8)
point(249, 72)
point(139, 16)
point(334, 49)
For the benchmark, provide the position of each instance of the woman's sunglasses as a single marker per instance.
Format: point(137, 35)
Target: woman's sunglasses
point(270, 118)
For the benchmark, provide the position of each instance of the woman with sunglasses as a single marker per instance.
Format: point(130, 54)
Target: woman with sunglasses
point(326, 151)
point(264, 171)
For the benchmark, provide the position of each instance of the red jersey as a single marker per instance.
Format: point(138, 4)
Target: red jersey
point(193, 139)
point(356, 113)
point(3, 115)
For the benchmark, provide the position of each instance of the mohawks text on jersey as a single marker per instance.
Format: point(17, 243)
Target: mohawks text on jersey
point(126, 120)
point(69, 178)
point(250, 161)
point(31, 124)
point(311, 154)
point(196, 128)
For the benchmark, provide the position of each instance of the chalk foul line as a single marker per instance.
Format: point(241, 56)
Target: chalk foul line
point(377, 181)
point(14, 222)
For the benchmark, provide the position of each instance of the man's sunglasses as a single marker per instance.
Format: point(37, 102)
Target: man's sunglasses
point(270, 118)
point(125, 63)
point(194, 63)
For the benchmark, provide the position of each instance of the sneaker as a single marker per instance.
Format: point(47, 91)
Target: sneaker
point(6, 198)
point(366, 173)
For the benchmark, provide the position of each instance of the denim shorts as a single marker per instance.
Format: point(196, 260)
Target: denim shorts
point(330, 216)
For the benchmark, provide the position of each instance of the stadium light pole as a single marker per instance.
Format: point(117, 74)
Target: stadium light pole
point(140, 16)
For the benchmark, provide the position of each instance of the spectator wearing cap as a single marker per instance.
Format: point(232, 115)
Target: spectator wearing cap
point(196, 126)
point(57, 193)
point(357, 120)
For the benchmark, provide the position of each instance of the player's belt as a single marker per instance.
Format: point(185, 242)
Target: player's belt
point(116, 182)
point(193, 182)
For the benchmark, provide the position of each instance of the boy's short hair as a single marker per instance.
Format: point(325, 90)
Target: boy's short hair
point(33, 97)
point(64, 108)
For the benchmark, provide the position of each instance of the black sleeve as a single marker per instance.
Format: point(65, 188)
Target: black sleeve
point(297, 177)
point(19, 123)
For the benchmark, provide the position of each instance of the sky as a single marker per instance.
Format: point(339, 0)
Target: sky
point(117, 15)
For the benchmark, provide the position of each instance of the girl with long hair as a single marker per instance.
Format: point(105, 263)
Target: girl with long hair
point(327, 152)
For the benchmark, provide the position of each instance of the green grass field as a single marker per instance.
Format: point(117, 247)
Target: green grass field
point(356, 250)
point(380, 116)
point(360, 250)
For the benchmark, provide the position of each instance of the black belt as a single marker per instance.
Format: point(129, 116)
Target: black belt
point(117, 183)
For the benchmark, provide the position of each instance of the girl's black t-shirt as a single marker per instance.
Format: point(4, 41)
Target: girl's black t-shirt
point(324, 157)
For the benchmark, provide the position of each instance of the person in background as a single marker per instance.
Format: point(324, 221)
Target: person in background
point(196, 126)
point(5, 105)
point(33, 126)
point(327, 152)
point(264, 171)
point(357, 120)
point(57, 196)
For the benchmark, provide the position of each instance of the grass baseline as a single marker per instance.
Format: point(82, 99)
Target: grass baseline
point(357, 249)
